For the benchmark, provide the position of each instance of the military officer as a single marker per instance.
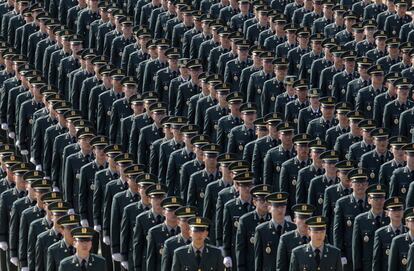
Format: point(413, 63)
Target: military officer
point(394, 22)
point(314, 169)
point(402, 177)
point(320, 184)
point(365, 225)
point(120, 42)
point(344, 141)
point(87, 178)
point(290, 168)
point(373, 160)
point(294, 238)
point(164, 76)
point(364, 101)
point(198, 255)
point(292, 108)
point(316, 255)
point(64, 248)
point(182, 238)
point(73, 165)
point(233, 210)
point(335, 192)
point(226, 123)
point(121, 108)
point(268, 234)
point(240, 135)
point(264, 144)
point(294, 55)
point(394, 109)
point(247, 225)
point(362, 81)
point(357, 149)
point(234, 67)
point(327, 74)
point(158, 234)
point(144, 222)
point(308, 58)
point(131, 211)
point(346, 209)
point(199, 180)
point(309, 113)
point(385, 234)
point(51, 236)
point(400, 244)
point(317, 127)
point(83, 259)
point(151, 132)
point(137, 105)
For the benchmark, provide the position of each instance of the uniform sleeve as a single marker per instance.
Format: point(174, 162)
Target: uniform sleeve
point(50, 266)
point(227, 233)
point(115, 219)
point(356, 246)
point(151, 252)
point(377, 252)
point(83, 193)
point(241, 245)
point(114, 125)
point(282, 259)
point(171, 179)
point(23, 235)
point(68, 182)
point(31, 248)
point(176, 263)
point(125, 234)
point(139, 239)
point(14, 232)
point(101, 117)
point(338, 230)
point(393, 258)
point(258, 251)
point(219, 221)
point(192, 192)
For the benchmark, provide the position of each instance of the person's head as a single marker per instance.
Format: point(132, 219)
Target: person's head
point(244, 182)
point(349, 61)
point(277, 205)
point(111, 151)
point(131, 172)
point(267, 62)
point(376, 197)
point(329, 160)
point(303, 37)
point(396, 143)
point(302, 146)
point(195, 69)
point(169, 205)
point(395, 209)
point(316, 43)
point(234, 101)
point(317, 147)
point(157, 112)
point(157, 193)
point(272, 120)
point(409, 155)
point(327, 107)
point(302, 213)
point(359, 178)
point(199, 227)
point(327, 10)
point(380, 38)
point(403, 88)
point(183, 215)
point(317, 230)
point(248, 113)
point(342, 110)
point(210, 153)
point(343, 168)
point(380, 136)
point(401, 8)
point(84, 136)
point(66, 224)
point(83, 240)
point(286, 134)
point(409, 219)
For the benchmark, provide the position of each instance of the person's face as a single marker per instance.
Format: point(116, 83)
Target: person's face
point(346, 182)
point(349, 65)
point(403, 93)
point(301, 225)
point(395, 215)
point(273, 132)
point(398, 153)
point(85, 144)
point(170, 216)
point(244, 189)
point(93, 4)
point(157, 116)
point(381, 144)
point(243, 54)
point(249, 117)
point(83, 246)
point(376, 203)
point(244, 7)
point(173, 63)
point(281, 72)
point(343, 119)
point(129, 90)
point(317, 46)
point(235, 108)
point(198, 236)
point(328, 112)
point(277, 211)
point(302, 93)
point(177, 134)
point(184, 227)
point(263, 18)
point(261, 205)
point(330, 168)
point(327, 11)
point(156, 203)
point(314, 154)
point(195, 73)
point(68, 235)
point(303, 41)
point(99, 153)
point(267, 65)
point(317, 236)
point(380, 42)
point(410, 224)
point(286, 138)
point(360, 187)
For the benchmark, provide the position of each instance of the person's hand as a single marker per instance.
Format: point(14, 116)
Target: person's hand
point(24, 268)
point(14, 261)
point(124, 265)
point(12, 135)
point(4, 126)
point(84, 223)
point(117, 257)
point(24, 152)
point(97, 228)
point(106, 240)
point(344, 260)
point(227, 262)
point(3, 246)
point(38, 167)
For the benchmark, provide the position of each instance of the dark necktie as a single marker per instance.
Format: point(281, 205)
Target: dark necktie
point(279, 230)
point(237, 121)
point(361, 205)
point(318, 256)
point(224, 111)
point(172, 232)
point(302, 164)
point(378, 222)
point(12, 185)
point(101, 167)
point(346, 191)
point(211, 178)
point(287, 154)
point(160, 133)
point(251, 134)
point(71, 250)
point(198, 257)
point(158, 219)
point(118, 96)
point(73, 139)
point(319, 171)
point(397, 232)
point(261, 220)
point(83, 266)
point(191, 155)
point(125, 184)
point(274, 143)
point(188, 241)
point(115, 175)
point(245, 207)
point(22, 194)
point(88, 157)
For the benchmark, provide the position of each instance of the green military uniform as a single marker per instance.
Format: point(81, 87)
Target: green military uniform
point(143, 223)
point(385, 235)
point(365, 98)
point(305, 116)
point(400, 247)
point(401, 179)
point(246, 230)
point(274, 158)
point(320, 184)
point(233, 210)
point(332, 194)
point(292, 239)
point(225, 125)
point(129, 216)
point(158, 234)
point(290, 168)
point(60, 250)
point(334, 132)
point(268, 234)
point(93, 261)
point(317, 127)
point(346, 209)
point(358, 149)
